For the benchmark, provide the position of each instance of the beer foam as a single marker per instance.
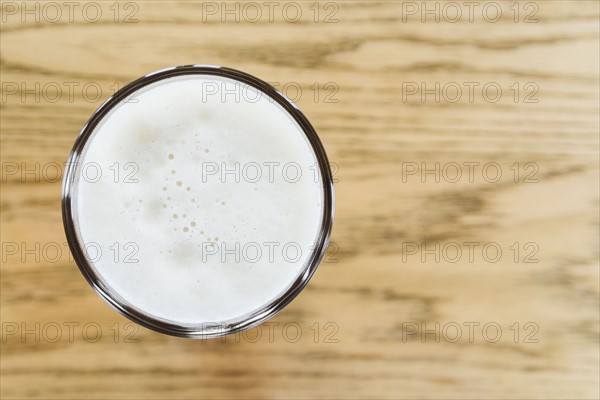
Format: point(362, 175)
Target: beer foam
point(180, 188)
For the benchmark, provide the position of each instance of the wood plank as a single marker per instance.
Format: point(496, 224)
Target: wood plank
point(364, 318)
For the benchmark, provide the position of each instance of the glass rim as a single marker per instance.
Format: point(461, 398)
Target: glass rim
point(208, 329)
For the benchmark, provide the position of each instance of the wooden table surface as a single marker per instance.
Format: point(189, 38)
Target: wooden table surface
point(480, 280)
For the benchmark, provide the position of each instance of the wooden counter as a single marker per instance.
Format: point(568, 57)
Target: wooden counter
point(451, 141)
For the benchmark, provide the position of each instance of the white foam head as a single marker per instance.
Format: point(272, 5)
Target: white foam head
point(207, 207)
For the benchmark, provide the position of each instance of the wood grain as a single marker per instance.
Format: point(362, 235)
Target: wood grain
point(373, 290)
